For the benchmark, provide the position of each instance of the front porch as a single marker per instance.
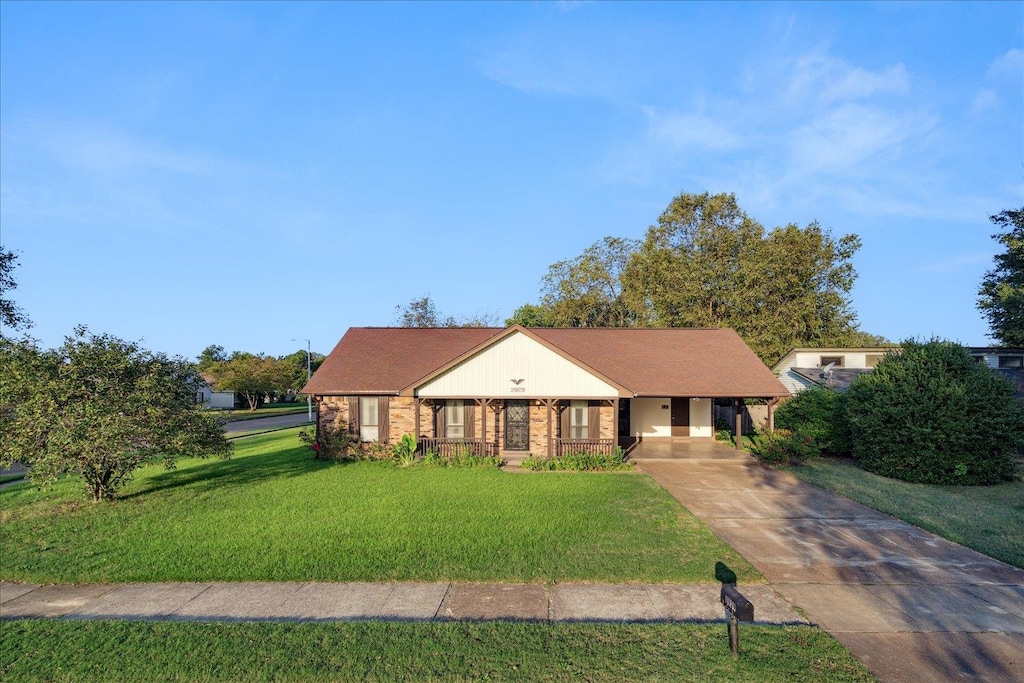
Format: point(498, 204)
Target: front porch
point(515, 428)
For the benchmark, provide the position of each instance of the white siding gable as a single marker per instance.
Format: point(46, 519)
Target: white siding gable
point(544, 374)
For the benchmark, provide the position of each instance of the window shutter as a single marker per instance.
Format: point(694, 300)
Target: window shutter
point(353, 414)
point(594, 420)
point(382, 419)
point(439, 419)
point(469, 424)
point(563, 408)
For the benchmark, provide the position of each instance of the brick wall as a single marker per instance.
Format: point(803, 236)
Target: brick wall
point(401, 417)
point(609, 423)
point(333, 412)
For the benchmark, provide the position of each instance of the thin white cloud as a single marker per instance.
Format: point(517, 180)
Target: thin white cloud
point(1010, 63)
point(112, 151)
point(106, 177)
point(1006, 70)
point(689, 130)
point(984, 99)
point(846, 137)
point(827, 80)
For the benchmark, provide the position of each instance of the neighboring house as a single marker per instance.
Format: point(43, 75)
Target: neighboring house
point(544, 391)
point(802, 368)
point(209, 398)
point(1008, 361)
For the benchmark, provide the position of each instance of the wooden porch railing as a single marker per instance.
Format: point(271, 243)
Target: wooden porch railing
point(450, 447)
point(600, 446)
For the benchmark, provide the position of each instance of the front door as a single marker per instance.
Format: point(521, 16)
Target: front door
point(680, 417)
point(517, 425)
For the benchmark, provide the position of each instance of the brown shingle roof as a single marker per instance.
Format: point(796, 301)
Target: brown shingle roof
point(705, 363)
point(709, 363)
point(385, 360)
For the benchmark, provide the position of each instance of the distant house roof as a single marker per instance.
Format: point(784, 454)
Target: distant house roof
point(839, 379)
point(709, 363)
point(790, 357)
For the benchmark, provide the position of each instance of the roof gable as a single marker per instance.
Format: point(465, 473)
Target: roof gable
point(516, 363)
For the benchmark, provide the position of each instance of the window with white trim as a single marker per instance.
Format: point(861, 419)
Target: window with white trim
point(454, 419)
point(578, 417)
point(368, 418)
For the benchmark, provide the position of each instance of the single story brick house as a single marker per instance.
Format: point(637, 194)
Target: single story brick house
point(544, 391)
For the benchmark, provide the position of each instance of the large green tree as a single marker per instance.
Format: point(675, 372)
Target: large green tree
point(296, 363)
point(1001, 295)
point(11, 316)
point(422, 312)
point(211, 355)
point(706, 263)
point(254, 376)
point(100, 407)
point(586, 291)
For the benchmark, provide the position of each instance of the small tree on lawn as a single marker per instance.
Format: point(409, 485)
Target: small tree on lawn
point(101, 407)
point(253, 376)
point(934, 415)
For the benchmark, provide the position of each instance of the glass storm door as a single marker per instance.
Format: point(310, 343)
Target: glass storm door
point(517, 425)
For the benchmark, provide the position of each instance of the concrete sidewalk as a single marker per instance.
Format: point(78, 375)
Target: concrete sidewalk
point(397, 601)
point(910, 605)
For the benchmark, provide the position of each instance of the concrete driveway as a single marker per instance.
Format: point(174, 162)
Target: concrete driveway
point(910, 605)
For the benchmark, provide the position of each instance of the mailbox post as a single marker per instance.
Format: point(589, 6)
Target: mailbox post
point(739, 609)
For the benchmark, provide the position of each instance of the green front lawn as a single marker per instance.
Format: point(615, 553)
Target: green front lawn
point(272, 513)
point(391, 651)
point(263, 411)
point(989, 519)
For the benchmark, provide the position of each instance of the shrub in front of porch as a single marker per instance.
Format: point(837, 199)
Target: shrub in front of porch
point(337, 443)
point(461, 457)
point(580, 462)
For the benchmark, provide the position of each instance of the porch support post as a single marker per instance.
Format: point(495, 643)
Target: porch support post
point(739, 424)
point(615, 422)
point(416, 418)
point(550, 403)
point(771, 414)
point(482, 402)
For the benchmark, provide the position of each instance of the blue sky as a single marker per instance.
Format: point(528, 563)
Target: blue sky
point(244, 174)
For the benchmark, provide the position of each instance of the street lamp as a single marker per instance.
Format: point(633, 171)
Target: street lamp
point(309, 364)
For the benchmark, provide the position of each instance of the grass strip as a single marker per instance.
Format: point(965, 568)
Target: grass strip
point(273, 513)
point(37, 650)
point(270, 411)
point(988, 519)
